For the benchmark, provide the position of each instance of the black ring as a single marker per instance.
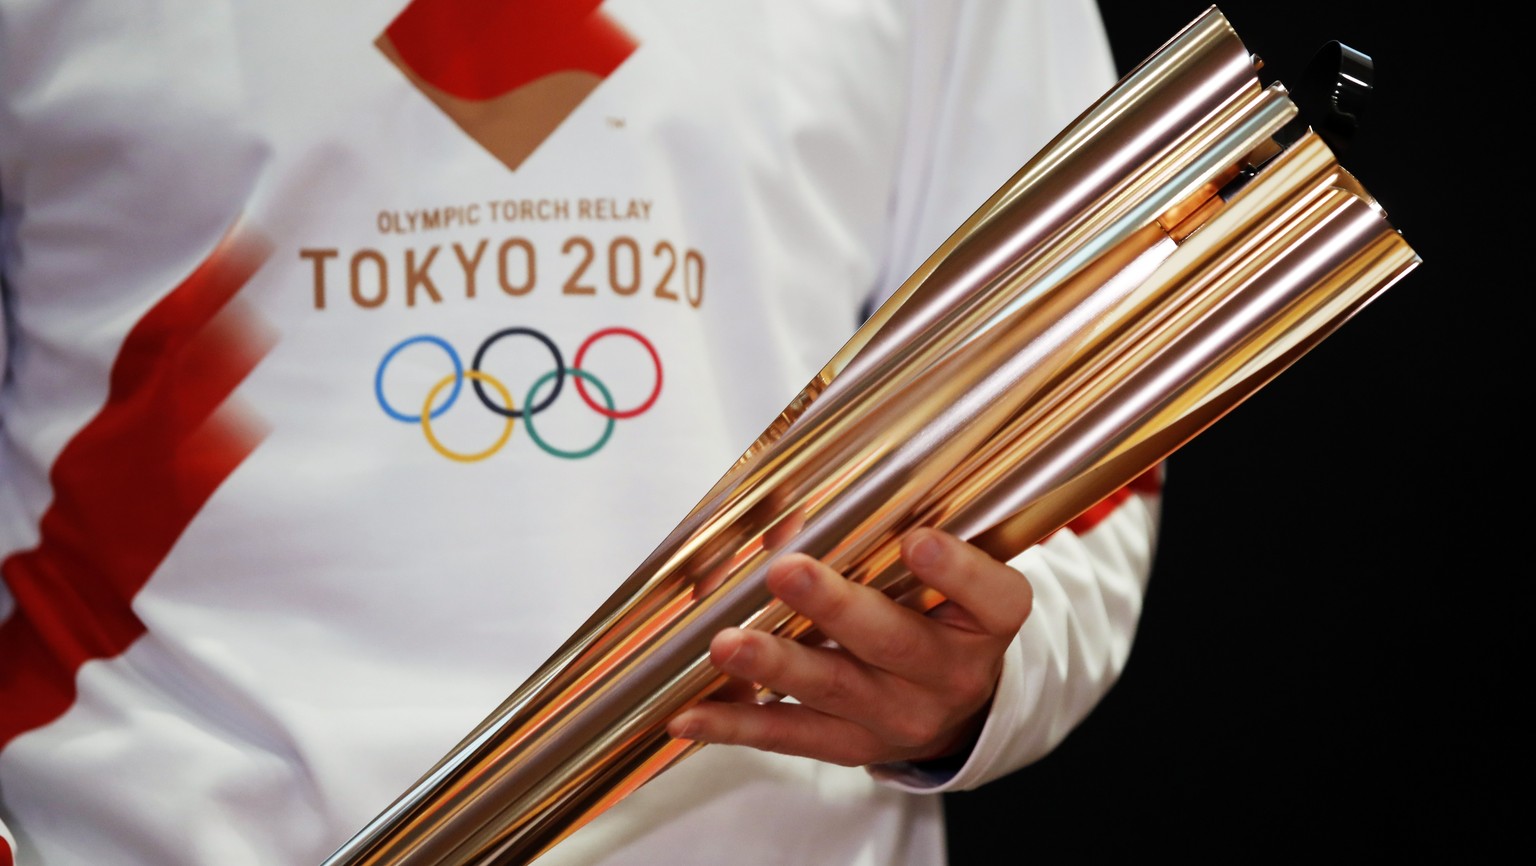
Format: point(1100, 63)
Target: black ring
point(543, 404)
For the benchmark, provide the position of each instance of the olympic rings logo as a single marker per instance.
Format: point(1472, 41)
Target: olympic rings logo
point(502, 403)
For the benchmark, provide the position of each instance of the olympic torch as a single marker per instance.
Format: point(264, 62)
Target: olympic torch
point(1169, 253)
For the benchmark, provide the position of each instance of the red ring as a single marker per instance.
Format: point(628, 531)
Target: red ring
point(581, 387)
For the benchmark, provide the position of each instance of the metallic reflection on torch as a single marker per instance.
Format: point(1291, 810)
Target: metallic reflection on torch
point(1152, 267)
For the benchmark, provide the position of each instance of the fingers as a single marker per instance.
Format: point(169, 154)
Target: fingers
point(993, 600)
point(997, 596)
point(863, 621)
point(822, 679)
point(892, 683)
point(786, 728)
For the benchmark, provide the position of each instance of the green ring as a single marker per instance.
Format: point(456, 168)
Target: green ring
point(539, 440)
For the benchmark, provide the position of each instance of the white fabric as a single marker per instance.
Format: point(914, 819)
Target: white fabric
point(350, 602)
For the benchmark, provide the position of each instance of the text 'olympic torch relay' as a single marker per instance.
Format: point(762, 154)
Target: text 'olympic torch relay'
point(1164, 257)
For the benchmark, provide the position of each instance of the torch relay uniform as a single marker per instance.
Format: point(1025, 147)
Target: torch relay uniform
point(251, 594)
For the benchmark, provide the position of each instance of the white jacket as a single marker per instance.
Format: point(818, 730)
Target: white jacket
point(249, 596)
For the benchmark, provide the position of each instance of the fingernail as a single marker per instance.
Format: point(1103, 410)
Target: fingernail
point(682, 728)
point(798, 580)
point(923, 551)
point(739, 655)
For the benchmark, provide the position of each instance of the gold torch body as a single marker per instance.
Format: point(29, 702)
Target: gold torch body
point(1153, 266)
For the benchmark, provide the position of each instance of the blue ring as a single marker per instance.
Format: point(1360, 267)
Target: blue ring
point(458, 378)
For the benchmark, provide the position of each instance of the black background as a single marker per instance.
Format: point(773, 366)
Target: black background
point(1331, 655)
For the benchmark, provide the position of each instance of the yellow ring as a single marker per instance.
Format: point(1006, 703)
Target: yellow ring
point(426, 419)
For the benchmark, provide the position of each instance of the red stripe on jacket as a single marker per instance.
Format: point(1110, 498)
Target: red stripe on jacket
point(1149, 482)
point(128, 484)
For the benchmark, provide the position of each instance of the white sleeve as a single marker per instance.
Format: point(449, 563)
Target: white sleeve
point(993, 83)
point(7, 226)
point(5, 324)
point(5, 349)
